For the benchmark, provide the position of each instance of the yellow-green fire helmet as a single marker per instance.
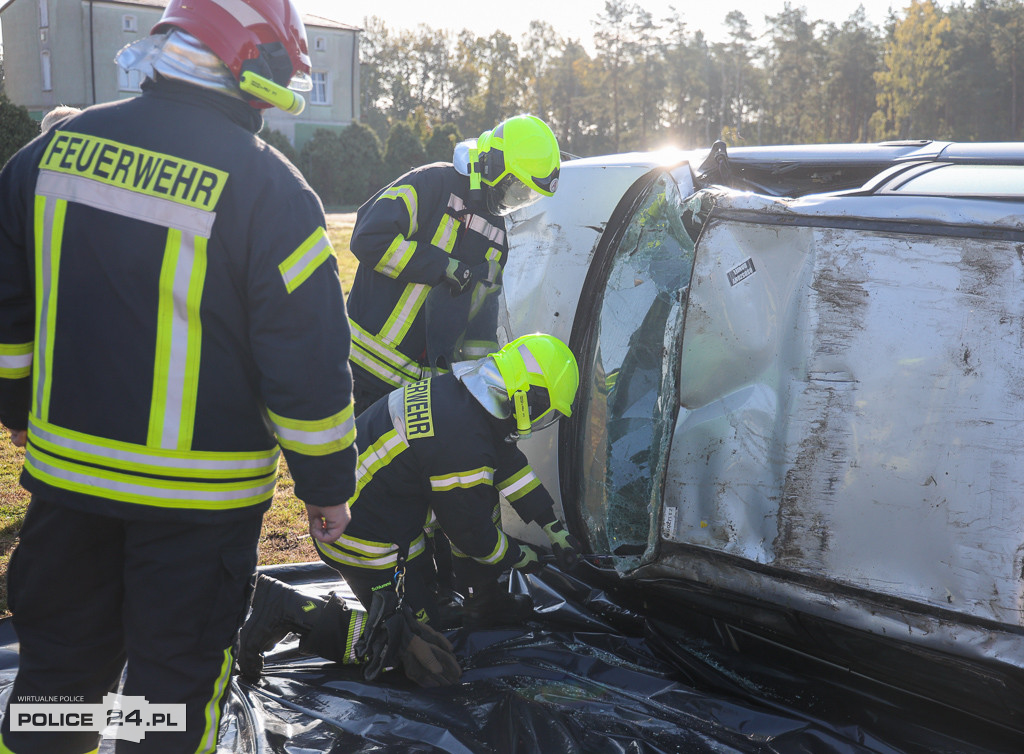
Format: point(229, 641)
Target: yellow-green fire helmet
point(518, 163)
point(541, 378)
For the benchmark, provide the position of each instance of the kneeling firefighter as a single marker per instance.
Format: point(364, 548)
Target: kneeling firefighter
point(443, 448)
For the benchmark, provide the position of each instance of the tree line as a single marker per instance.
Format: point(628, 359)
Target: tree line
point(925, 73)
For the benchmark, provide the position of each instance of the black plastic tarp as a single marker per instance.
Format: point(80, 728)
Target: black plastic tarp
point(587, 675)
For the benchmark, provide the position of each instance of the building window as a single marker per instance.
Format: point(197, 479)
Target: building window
point(44, 59)
point(129, 81)
point(129, 23)
point(318, 95)
point(44, 14)
point(320, 44)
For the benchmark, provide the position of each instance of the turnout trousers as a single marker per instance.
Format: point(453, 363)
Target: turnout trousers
point(90, 592)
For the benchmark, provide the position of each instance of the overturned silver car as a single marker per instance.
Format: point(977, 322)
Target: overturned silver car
point(801, 416)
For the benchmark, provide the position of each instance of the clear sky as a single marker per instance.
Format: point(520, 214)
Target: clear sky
point(573, 18)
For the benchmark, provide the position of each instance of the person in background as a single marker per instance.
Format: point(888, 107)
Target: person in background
point(170, 320)
point(56, 115)
point(446, 444)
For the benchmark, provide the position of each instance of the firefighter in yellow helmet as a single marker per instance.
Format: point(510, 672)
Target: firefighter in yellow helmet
point(448, 445)
point(441, 224)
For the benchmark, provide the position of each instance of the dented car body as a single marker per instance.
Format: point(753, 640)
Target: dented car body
point(801, 412)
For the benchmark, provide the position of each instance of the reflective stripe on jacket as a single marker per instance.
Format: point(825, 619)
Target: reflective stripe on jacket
point(174, 312)
point(403, 238)
point(428, 451)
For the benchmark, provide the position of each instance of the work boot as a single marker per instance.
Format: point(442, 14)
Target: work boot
point(277, 610)
point(491, 605)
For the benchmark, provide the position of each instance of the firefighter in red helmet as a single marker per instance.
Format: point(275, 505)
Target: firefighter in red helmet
point(170, 322)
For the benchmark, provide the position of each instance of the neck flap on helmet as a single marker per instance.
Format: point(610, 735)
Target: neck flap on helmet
point(180, 56)
point(484, 382)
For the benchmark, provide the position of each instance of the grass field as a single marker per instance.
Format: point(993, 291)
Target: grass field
point(285, 537)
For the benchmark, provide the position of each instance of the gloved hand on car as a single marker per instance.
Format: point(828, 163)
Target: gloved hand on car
point(564, 545)
point(530, 561)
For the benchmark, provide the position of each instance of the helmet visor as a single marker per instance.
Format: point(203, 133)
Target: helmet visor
point(545, 420)
point(510, 194)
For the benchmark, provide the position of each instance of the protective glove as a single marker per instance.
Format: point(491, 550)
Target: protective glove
point(427, 657)
point(382, 633)
point(529, 562)
point(462, 278)
point(459, 277)
point(563, 544)
point(393, 636)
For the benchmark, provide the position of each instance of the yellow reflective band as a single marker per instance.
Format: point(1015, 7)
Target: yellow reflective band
point(419, 421)
point(302, 262)
point(491, 232)
point(351, 551)
point(387, 448)
point(120, 201)
point(178, 342)
point(390, 364)
point(519, 484)
point(462, 479)
point(49, 229)
point(15, 361)
point(447, 233)
point(159, 493)
point(356, 622)
point(139, 170)
point(366, 547)
point(211, 714)
point(382, 372)
point(139, 459)
point(477, 349)
point(407, 194)
point(396, 257)
point(316, 437)
point(498, 552)
point(401, 319)
point(431, 525)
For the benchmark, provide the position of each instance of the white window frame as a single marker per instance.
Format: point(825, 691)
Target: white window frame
point(320, 94)
point(128, 81)
point(129, 22)
point(44, 63)
point(320, 44)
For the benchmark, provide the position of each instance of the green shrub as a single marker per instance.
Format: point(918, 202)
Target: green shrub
point(362, 168)
point(321, 162)
point(404, 151)
point(16, 128)
point(442, 142)
point(280, 142)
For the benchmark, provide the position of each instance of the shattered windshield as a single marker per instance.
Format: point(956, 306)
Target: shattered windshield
point(628, 390)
